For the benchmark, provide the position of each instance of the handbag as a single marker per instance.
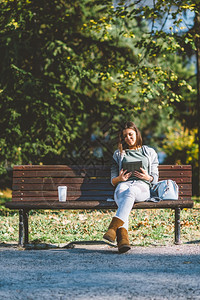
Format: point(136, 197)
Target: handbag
point(166, 190)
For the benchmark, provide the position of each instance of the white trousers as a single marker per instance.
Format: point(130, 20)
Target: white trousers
point(126, 194)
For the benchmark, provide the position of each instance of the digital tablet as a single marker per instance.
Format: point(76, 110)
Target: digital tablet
point(132, 166)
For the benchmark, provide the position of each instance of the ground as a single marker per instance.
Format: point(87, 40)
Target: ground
point(97, 271)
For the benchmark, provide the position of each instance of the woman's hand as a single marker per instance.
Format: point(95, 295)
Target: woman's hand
point(123, 176)
point(143, 175)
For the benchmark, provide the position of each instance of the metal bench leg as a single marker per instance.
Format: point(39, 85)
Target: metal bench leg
point(21, 228)
point(25, 216)
point(177, 226)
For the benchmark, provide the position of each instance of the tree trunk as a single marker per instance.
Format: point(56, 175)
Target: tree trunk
point(197, 26)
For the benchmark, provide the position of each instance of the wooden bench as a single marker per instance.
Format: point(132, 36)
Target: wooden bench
point(89, 187)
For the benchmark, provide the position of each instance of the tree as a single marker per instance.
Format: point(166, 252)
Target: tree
point(50, 89)
point(178, 39)
point(68, 67)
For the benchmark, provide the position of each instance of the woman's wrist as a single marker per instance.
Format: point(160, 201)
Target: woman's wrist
point(150, 178)
point(115, 180)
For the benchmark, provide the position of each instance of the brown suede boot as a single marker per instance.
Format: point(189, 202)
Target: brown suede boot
point(123, 240)
point(110, 235)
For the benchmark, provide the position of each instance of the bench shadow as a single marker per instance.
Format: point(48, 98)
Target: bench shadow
point(8, 245)
point(70, 245)
point(193, 242)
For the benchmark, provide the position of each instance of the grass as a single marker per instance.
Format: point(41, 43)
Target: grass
point(147, 227)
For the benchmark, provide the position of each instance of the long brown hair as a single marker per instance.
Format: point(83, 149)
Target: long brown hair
point(121, 143)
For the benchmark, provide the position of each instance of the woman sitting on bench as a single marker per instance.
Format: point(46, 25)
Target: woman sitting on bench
point(130, 186)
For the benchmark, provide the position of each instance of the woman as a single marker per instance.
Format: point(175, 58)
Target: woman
point(130, 188)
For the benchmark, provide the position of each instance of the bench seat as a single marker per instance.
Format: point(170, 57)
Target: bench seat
point(89, 204)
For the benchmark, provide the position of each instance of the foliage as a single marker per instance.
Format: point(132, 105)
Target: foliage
point(182, 37)
point(49, 80)
point(70, 69)
point(180, 147)
point(170, 32)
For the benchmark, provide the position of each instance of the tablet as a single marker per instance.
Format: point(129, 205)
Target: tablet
point(132, 166)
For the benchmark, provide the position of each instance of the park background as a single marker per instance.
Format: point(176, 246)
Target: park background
point(72, 71)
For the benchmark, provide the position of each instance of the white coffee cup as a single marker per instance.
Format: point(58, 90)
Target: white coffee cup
point(62, 193)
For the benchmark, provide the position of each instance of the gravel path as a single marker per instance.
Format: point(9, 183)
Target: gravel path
point(99, 272)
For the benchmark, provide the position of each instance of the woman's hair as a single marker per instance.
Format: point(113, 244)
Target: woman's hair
point(129, 125)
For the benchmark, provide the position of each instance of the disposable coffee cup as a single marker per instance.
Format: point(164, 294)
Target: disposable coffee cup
point(62, 193)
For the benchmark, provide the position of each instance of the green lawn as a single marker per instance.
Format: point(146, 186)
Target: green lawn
point(147, 227)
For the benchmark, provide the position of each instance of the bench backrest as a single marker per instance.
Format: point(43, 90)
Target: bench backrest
point(40, 183)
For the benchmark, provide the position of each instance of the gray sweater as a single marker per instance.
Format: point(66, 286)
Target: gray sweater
point(150, 153)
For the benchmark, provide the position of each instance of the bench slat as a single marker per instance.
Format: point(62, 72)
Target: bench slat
point(71, 181)
point(42, 193)
point(69, 193)
point(52, 186)
point(18, 182)
point(90, 173)
point(58, 174)
point(52, 180)
point(69, 198)
point(178, 179)
point(17, 189)
point(60, 167)
point(64, 180)
point(44, 197)
point(87, 167)
point(96, 205)
point(82, 198)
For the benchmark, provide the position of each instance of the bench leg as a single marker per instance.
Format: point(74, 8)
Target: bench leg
point(177, 226)
point(23, 227)
point(25, 214)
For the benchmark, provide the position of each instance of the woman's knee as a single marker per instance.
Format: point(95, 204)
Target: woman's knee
point(121, 188)
point(141, 192)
